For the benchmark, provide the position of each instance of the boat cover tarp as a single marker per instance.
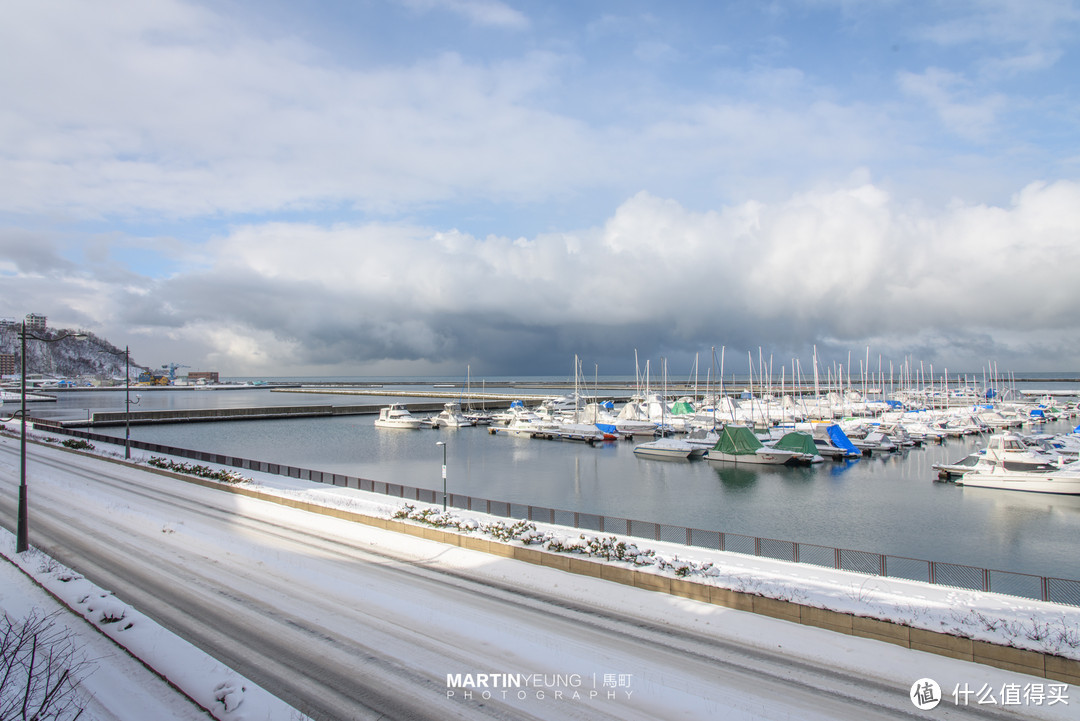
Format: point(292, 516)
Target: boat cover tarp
point(797, 441)
point(840, 440)
point(737, 441)
point(682, 408)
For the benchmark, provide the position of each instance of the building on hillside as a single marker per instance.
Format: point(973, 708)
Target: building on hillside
point(7, 364)
point(36, 322)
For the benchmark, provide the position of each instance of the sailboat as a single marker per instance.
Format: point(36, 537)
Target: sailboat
point(577, 430)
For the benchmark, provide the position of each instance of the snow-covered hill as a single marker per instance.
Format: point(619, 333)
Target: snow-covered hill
point(93, 357)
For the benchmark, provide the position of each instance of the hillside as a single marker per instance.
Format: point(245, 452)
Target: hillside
point(93, 357)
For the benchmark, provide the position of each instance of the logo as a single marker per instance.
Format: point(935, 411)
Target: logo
point(925, 694)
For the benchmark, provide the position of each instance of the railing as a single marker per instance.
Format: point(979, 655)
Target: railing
point(955, 575)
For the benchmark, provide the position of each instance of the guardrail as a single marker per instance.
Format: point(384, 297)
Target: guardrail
point(955, 575)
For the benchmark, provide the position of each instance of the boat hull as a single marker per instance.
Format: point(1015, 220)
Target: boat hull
point(667, 449)
point(760, 458)
point(1050, 483)
point(402, 424)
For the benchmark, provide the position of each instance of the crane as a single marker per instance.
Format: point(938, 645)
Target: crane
point(171, 368)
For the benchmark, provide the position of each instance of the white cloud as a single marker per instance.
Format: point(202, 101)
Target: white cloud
point(479, 12)
point(1024, 22)
point(845, 264)
point(959, 106)
point(171, 111)
point(735, 210)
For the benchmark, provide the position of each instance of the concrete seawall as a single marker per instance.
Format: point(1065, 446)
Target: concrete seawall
point(205, 415)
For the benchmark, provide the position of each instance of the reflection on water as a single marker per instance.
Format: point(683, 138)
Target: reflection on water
point(735, 477)
point(889, 504)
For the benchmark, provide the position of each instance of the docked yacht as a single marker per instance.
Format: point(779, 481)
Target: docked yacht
point(1009, 464)
point(396, 415)
point(450, 417)
point(1064, 480)
point(1011, 453)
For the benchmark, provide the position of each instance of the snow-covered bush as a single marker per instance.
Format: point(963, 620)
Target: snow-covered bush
point(200, 471)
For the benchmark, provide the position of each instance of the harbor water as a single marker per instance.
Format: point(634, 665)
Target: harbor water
point(889, 504)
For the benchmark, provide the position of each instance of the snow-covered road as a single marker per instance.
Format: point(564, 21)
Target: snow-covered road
point(345, 621)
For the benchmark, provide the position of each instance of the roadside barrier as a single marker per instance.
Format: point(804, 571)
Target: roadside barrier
point(955, 575)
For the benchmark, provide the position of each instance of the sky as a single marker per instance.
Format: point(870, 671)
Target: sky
point(405, 187)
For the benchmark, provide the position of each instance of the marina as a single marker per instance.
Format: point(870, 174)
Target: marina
point(883, 502)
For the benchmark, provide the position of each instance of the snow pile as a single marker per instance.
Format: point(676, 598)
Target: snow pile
point(995, 618)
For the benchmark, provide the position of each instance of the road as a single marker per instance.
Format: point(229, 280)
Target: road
point(347, 622)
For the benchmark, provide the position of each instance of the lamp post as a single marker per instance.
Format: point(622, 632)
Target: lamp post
point(127, 399)
point(441, 443)
point(22, 535)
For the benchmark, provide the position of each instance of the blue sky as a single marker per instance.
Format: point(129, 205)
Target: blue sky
point(413, 186)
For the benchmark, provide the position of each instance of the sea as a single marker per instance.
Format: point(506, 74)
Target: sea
point(892, 504)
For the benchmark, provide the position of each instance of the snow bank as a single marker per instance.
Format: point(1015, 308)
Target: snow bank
point(224, 693)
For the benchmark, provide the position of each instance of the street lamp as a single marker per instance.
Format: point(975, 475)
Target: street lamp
point(22, 535)
point(441, 443)
point(127, 399)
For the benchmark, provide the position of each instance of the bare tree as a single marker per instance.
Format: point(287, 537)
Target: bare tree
point(40, 670)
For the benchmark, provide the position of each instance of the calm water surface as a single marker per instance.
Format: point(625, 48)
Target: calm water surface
point(885, 504)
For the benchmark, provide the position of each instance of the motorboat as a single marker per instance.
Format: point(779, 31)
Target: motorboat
point(527, 425)
point(669, 448)
point(584, 432)
point(960, 467)
point(1063, 481)
point(396, 415)
point(738, 444)
point(1011, 453)
point(450, 417)
point(874, 442)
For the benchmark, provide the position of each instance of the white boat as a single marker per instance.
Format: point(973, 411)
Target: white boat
point(450, 417)
point(1011, 453)
point(527, 425)
point(396, 415)
point(1065, 481)
point(584, 432)
point(671, 448)
point(960, 467)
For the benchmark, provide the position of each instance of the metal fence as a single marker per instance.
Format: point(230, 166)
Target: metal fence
point(955, 575)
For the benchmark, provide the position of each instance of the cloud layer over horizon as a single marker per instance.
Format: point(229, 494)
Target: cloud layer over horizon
point(412, 187)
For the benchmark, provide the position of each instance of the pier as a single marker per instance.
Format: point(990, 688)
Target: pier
point(206, 415)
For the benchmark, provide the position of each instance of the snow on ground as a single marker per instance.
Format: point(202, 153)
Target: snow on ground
point(117, 685)
point(987, 616)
